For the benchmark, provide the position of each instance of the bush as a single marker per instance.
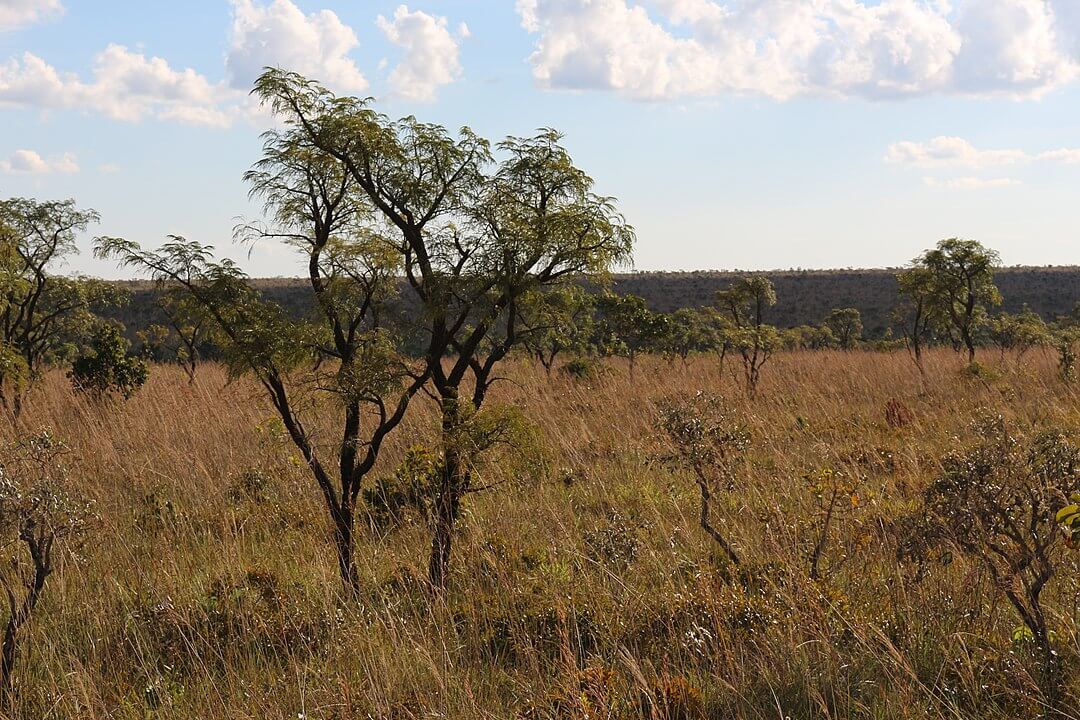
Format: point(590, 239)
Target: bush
point(107, 368)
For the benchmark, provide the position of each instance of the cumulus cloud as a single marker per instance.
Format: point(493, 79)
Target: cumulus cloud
point(125, 85)
point(279, 34)
point(943, 151)
point(18, 13)
point(969, 183)
point(28, 162)
point(660, 49)
point(431, 52)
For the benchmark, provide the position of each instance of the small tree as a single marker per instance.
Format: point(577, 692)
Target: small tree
point(107, 367)
point(690, 330)
point(626, 327)
point(39, 515)
point(556, 321)
point(846, 327)
point(917, 314)
point(1020, 332)
point(190, 324)
point(707, 441)
point(343, 354)
point(720, 333)
point(961, 287)
point(1066, 339)
point(39, 310)
point(744, 304)
point(996, 502)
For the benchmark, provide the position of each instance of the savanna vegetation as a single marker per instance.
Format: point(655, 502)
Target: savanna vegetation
point(466, 478)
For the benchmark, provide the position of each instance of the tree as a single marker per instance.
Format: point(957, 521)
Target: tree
point(107, 367)
point(1020, 332)
point(38, 513)
point(343, 353)
point(556, 321)
point(190, 324)
point(720, 332)
point(41, 311)
point(961, 278)
point(473, 238)
point(846, 326)
point(917, 314)
point(626, 326)
point(1066, 338)
point(690, 330)
point(744, 303)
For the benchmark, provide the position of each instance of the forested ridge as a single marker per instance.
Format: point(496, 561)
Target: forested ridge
point(804, 297)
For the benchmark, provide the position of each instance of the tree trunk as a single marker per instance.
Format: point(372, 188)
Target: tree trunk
point(19, 615)
point(345, 544)
point(448, 499)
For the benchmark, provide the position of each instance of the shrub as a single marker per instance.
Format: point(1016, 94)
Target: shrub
point(107, 368)
point(582, 369)
point(996, 502)
point(39, 514)
point(705, 439)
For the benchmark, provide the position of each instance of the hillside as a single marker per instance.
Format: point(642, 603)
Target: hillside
point(803, 296)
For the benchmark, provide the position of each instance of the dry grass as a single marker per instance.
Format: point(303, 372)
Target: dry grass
point(584, 590)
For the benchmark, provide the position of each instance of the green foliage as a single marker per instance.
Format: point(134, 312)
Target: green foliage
point(409, 491)
point(807, 337)
point(693, 330)
point(556, 321)
point(583, 369)
point(108, 367)
point(744, 303)
point(1067, 339)
point(956, 284)
point(42, 314)
point(845, 325)
point(626, 327)
point(1020, 332)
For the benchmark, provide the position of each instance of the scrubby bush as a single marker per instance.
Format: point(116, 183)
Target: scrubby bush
point(705, 439)
point(996, 502)
point(107, 367)
point(40, 519)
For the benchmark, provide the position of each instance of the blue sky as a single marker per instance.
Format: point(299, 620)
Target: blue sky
point(750, 134)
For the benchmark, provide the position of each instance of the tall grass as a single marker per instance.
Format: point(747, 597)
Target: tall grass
point(582, 588)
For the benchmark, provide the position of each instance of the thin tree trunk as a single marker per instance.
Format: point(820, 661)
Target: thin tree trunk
point(20, 613)
point(448, 500)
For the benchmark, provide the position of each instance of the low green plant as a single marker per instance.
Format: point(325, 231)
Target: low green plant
point(107, 368)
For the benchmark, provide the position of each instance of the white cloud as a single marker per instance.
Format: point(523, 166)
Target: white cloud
point(281, 35)
point(18, 13)
point(660, 49)
point(28, 162)
point(125, 85)
point(431, 53)
point(950, 152)
point(1066, 156)
point(969, 183)
point(946, 151)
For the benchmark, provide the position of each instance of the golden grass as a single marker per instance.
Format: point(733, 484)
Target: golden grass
point(587, 591)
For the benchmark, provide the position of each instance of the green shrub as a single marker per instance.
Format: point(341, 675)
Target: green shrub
point(107, 368)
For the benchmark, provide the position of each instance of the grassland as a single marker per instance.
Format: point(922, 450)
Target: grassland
point(582, 585)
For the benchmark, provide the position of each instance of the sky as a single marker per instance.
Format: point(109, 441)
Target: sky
point(735, 134)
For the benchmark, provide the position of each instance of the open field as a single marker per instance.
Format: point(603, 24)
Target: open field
point(582, 587)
